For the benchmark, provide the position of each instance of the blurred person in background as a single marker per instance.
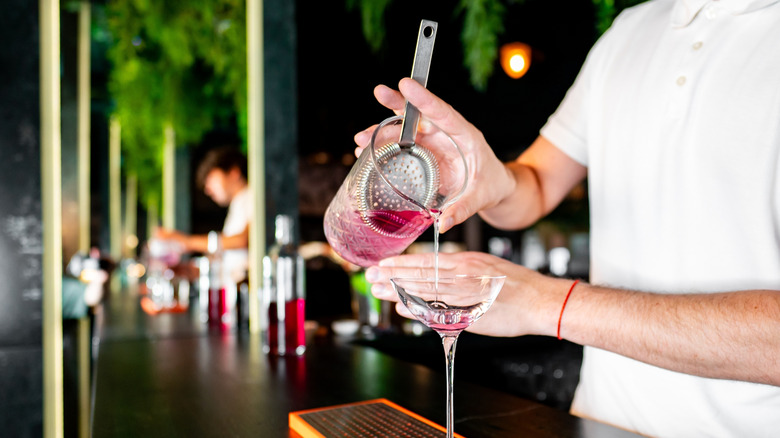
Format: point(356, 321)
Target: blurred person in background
point(222, 174)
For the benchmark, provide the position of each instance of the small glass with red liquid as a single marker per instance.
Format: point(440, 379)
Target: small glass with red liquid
point(283, 303)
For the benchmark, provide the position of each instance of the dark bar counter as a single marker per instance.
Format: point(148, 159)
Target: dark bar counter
point(168, 375)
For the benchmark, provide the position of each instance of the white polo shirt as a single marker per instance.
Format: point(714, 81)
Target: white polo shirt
point(236, 261)
point(676, 114)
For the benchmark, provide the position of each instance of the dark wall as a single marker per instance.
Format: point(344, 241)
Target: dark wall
point(281, 109)
point(21, 372)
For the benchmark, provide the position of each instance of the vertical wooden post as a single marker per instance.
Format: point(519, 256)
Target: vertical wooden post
point(84, 201)
point(84, 362)
point(51, 204)
point(256, 153)
point(131, 217)
point(84, 95)
point(114, 187)
point(152, 216)
point(169, 178)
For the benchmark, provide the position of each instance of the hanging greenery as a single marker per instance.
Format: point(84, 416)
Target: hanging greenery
point(177, 63)
point(372, 13)
point(483, 24)
point(607, 10)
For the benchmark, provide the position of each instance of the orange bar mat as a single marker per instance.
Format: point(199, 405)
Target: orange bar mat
point(372, 418)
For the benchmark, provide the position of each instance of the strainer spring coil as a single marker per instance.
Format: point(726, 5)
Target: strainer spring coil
point(368, 174)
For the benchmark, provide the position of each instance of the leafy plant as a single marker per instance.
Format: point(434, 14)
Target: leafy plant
point(177, 63)
point(371, 13)
point(482, 24)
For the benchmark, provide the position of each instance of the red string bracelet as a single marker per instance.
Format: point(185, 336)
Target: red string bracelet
point(566, 300)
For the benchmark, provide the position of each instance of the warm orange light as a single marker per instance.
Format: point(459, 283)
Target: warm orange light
point(515, 59)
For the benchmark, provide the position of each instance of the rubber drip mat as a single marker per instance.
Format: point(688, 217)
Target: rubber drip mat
point(372, 418)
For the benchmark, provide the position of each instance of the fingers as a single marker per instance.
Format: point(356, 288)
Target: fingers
point(450, 218)
point(363, 137)
point(384, 291)
point(403, 311)
point(438, 111)
point(390, 98)
point(412, 265)
point(432, 107)
point(458, 212)
point(435, 109)
point(410, 260)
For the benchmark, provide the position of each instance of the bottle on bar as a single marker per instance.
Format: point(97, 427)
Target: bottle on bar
point(282, 298)
point(218, 308)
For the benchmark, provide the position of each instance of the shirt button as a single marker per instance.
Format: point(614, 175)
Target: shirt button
point(697, 45)
point(681, 80)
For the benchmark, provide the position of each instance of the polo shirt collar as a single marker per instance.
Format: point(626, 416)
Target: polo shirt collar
point(686, 10)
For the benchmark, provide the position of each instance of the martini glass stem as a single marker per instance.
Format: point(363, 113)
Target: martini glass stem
point(449, 341)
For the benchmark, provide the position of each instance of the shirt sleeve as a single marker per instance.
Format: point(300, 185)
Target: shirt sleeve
point(567, 127)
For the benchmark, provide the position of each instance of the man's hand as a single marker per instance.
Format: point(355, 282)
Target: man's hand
point(489, 180)
point(166, 234)
point(527, 304)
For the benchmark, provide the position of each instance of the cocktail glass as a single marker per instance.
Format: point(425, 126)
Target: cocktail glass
point(448, 306)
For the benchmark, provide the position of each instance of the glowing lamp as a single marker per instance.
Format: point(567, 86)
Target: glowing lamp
point(515, 59)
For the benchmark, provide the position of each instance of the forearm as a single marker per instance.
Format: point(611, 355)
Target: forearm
point(733, 335)
point(200, 242)
point(236, 241)
point(521, 207)
point(196, 243)
point(540, 179)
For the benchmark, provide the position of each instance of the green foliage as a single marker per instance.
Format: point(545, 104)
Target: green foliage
point(605, 13)
point(483, 22)
point(178, 63)
point(372, 13)
point(607, 10)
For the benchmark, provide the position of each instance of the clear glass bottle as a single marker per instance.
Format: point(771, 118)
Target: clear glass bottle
point(282, 309)
point(218, 308)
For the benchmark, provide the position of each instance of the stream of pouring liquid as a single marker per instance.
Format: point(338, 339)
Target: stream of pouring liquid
point(436, 215)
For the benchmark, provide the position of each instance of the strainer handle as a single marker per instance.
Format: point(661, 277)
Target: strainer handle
point(426, 36)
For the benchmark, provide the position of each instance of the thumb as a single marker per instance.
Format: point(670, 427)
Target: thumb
point(454, 215)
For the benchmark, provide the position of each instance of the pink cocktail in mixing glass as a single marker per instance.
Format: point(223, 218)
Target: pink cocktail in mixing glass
point(394, 192)
point(400, 183)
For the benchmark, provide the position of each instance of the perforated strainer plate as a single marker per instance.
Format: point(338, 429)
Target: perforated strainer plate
point(412, 171)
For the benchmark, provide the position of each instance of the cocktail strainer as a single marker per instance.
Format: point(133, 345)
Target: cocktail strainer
point(400, 183)
point(413, 172)
point(408, 170)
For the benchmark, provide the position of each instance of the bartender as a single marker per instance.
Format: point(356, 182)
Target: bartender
point(675, 121)
point(222, 177)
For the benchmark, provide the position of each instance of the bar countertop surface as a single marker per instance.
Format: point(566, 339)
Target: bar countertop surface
point(170, 376)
